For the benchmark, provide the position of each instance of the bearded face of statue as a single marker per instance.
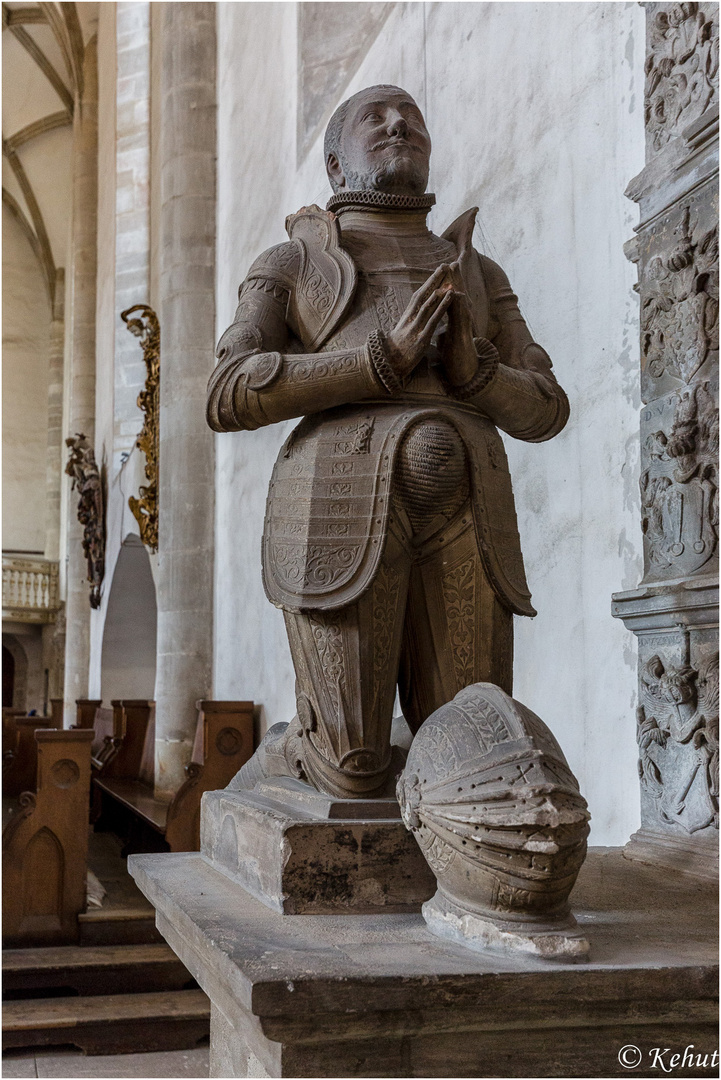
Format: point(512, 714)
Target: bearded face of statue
point(383, 145)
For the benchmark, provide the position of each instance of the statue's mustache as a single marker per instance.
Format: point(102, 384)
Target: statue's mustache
point(393, 142)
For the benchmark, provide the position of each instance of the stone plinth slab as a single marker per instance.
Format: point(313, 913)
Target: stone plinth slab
point(301, 852)
point(382, 996)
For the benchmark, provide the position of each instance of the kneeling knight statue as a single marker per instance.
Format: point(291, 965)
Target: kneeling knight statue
point(390, 540)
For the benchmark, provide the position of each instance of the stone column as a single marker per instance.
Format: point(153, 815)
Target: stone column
point(674, 611)
point(81, 412)
point(53, 633)
point(187, 321)
point(54, 460)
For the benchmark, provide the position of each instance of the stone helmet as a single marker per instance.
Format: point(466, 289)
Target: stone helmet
point(495, 808)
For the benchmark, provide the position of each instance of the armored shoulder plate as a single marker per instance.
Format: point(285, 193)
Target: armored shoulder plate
point(327, 278)
point(460, 233)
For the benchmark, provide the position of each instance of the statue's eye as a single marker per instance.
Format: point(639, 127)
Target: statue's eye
point(373, 117)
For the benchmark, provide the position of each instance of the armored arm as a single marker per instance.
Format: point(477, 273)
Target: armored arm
point(261, 376)
point(523, 397)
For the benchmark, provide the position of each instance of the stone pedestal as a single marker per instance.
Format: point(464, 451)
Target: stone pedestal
point(302, 852)
point(380, 995)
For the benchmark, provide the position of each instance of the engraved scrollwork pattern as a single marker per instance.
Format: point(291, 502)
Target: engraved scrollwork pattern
point(328, 639)
point(317, 567)
point(386, 590)
point(459, 595)
point(304, 370)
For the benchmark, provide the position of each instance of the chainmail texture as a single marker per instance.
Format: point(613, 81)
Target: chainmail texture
point(431, 474)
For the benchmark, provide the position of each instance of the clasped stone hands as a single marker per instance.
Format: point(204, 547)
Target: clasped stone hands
point(407, 342)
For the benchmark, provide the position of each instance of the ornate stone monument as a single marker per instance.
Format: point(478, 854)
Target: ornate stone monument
point(674, 611)
point(391, 546)
point(390, 538)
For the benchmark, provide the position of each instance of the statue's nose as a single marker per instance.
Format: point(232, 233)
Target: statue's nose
point(397, 126)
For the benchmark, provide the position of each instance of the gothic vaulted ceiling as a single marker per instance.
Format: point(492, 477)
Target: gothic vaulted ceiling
point(43, 47)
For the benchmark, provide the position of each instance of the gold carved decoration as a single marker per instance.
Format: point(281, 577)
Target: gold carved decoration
point(146, 327)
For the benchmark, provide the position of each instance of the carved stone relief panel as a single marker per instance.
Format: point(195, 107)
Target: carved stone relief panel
point(673, 611)
point(679, 482)
point(681, 68)
point(679, 293)
point(677, 731)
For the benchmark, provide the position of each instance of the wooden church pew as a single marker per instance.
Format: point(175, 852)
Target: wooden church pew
point(86, 710)
point(45, 844)
point(223, 742)
point(21, 768)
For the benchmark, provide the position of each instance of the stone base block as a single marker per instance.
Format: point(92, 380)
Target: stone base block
point(380, 995)
point(302, 852)
point(689, 854)
point(559, 940)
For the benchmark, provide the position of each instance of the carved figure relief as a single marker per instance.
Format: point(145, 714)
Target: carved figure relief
point(88, 482)
point(145, 509)
point(681, 69)
point(677, 733)
point(679, 487)
point(680, 302)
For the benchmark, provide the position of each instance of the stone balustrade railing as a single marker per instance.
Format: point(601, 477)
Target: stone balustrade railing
point(30, 589)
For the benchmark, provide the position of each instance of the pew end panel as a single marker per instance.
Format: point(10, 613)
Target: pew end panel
point(86, 711)
point(224, 742)
point(21, 772)
point(45, 845)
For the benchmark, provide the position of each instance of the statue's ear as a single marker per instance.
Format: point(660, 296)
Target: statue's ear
point(335, 172)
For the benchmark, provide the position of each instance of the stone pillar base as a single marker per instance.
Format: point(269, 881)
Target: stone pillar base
point(380, 995)
point(558, 940)
point(690, 855)
point(302, 852)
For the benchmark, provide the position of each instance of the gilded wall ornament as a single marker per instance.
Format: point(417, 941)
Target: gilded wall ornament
point(86, 477)
point(146, 327)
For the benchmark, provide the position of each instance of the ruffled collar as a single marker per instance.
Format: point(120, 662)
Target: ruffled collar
point(379, 200)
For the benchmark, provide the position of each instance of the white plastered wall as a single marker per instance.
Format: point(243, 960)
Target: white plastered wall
point(123, 279)
point(536, 115)
point(26, 330)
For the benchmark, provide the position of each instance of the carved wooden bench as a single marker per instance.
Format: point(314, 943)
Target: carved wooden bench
point(45, 843)
point(86, 711)
point(20, 756)
point(223, 742)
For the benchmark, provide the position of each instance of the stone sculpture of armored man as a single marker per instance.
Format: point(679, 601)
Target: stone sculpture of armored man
point(390, 539)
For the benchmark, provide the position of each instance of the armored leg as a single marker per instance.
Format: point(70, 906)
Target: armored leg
point(456, 630)
point(346, 665)
point(429, 616)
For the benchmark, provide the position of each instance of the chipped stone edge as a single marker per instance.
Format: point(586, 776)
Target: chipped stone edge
point(448, 920)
